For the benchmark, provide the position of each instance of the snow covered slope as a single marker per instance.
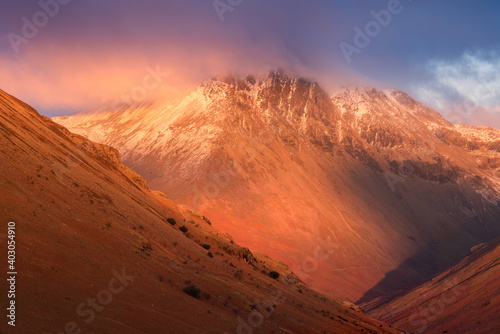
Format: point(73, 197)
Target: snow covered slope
point(98, 252)
point(361, 193)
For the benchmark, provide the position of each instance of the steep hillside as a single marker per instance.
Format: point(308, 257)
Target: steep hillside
point(464, 299)
point(368, 189)
point(98, 252)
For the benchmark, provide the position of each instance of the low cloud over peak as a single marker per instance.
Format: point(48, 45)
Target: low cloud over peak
point(466, 89)
point(63, 56)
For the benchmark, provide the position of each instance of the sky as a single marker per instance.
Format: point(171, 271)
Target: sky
point(64, 56)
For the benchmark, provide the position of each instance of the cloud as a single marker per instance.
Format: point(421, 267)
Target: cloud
point(464, 90)
point(474, 77)
point(91, 53)
point(54, 77)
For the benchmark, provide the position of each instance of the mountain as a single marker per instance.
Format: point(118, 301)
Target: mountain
point(362, 193)
point(463, 299)
point(97, 251)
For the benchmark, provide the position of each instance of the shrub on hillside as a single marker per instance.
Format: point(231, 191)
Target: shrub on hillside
point(274, 274)
point(207, 220)
point(171, 221)
point(192, 291)
point(183, 229)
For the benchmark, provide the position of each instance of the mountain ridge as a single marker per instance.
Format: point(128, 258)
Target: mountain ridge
point(98, 251)
point(462, 299)
point(280, 162)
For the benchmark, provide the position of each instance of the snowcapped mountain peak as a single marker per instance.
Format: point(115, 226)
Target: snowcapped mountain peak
point(276, 153)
